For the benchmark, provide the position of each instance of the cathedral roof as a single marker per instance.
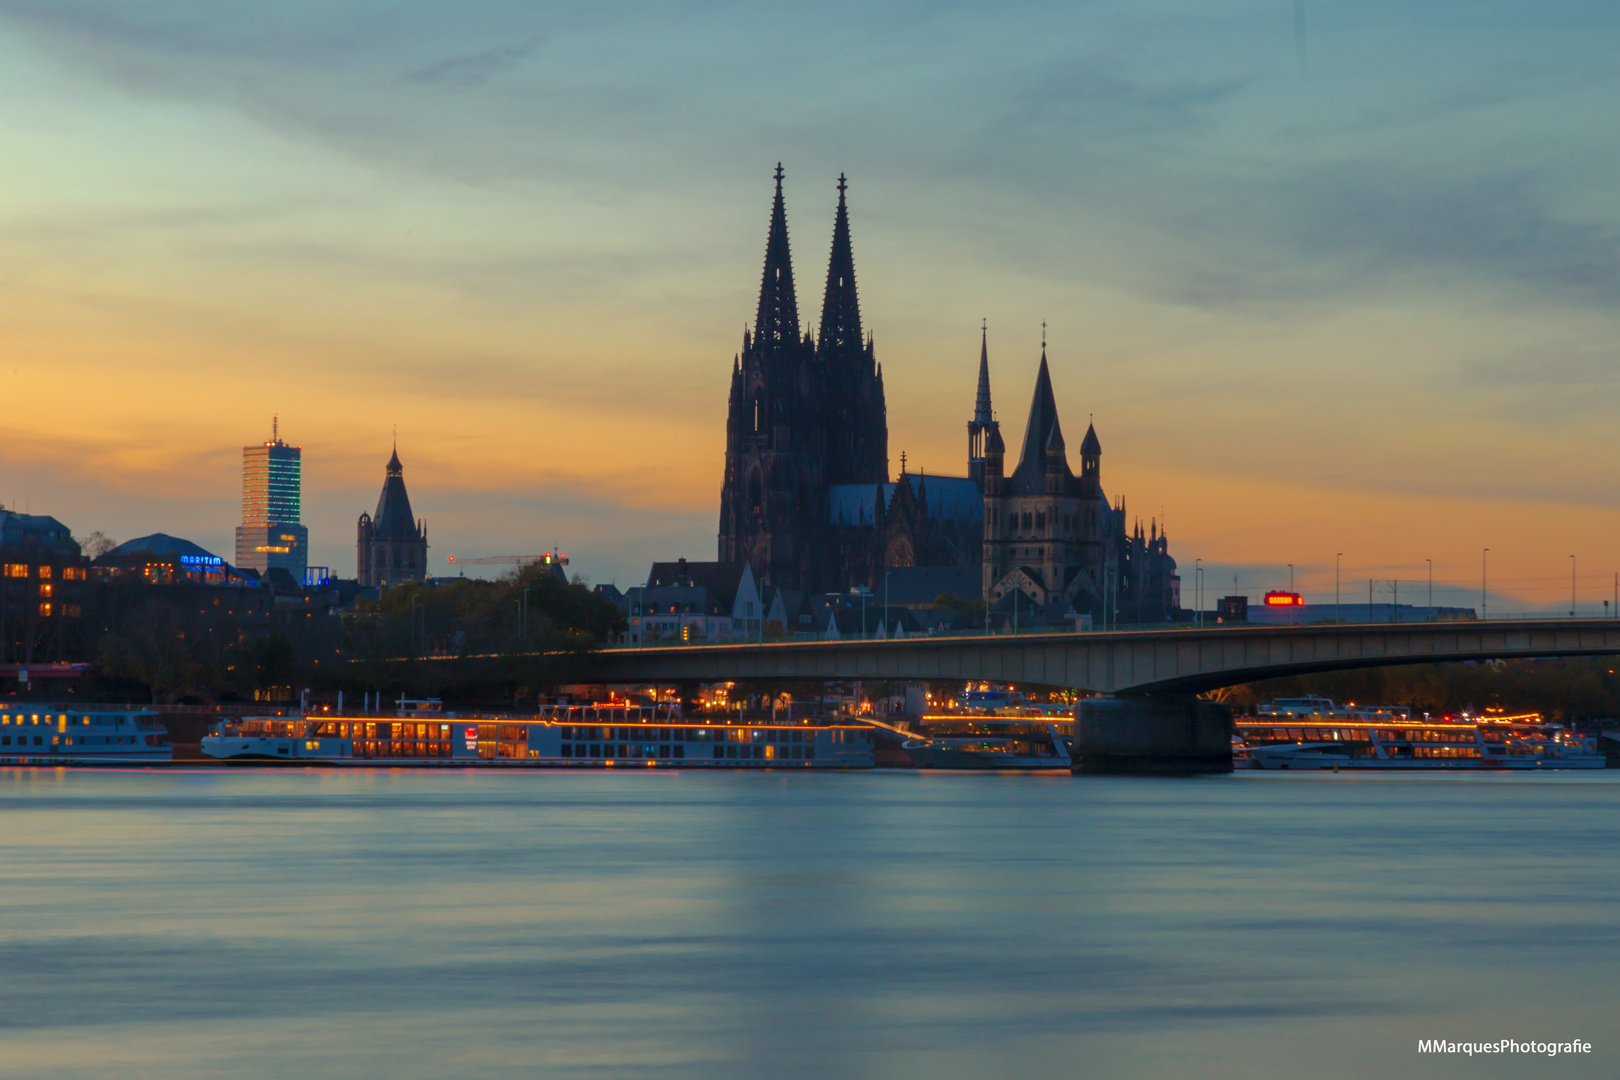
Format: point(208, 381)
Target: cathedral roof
point(950, 498)
point(1030, 476)
point(777, 323)
point(394, 520)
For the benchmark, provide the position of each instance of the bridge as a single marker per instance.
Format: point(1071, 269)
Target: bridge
point(1150, 721)
point(1133, 662)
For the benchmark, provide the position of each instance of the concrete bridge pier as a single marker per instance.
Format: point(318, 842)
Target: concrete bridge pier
point(1152, 734)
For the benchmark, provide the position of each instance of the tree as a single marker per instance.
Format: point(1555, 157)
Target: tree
point(96, 544)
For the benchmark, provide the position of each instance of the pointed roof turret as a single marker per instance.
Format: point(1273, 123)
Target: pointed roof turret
point(981, 404)
point(1054, 443)
point(393, 519)
point(777, 322)
point(841, 308)
point(1091, 446)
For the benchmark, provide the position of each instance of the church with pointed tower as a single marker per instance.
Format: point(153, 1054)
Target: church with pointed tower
point(1052, 541)
point(392, 545)
point(806, 498)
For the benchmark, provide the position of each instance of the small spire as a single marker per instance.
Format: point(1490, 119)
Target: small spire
point(981, 404)
point(902, 463)
point(275, 427)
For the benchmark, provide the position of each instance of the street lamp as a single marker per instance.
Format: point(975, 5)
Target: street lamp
point(1198, 590)
point(1337, 555)
point(1431, 588)
point(1572, 586)
point(1484, 596)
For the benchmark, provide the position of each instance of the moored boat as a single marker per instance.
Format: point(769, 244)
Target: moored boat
point(1320, 735)
point(1020, 737)
point(561, 736)
point(41, 734)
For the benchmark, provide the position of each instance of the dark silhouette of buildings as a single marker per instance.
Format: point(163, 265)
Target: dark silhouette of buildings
point(392, 546)
point(806, 414)
point(807, 501)
point(806, 498)
point(1053, 537)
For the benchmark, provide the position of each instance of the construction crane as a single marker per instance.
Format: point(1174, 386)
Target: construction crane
point(550, 558)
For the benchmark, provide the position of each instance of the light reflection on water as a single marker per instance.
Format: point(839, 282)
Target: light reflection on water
point(473, 924)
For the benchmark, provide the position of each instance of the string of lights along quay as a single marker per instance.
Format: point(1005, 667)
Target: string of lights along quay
point(560, 736)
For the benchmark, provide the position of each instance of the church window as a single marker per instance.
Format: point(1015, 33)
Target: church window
point(1026, 521)
point(1040, 521)
point(1012, 522)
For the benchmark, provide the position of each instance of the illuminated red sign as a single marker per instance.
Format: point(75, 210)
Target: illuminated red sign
point(1284, 599)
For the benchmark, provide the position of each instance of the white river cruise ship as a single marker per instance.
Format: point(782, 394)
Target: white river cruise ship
point(578, 736)
point(39, 734)
point(1314, 733)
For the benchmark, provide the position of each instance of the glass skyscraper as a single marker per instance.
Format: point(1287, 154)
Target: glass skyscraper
point(270, 535)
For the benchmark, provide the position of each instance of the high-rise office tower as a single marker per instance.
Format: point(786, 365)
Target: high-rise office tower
point(272, 493)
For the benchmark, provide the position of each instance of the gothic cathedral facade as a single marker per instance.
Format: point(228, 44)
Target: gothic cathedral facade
point(807, 501)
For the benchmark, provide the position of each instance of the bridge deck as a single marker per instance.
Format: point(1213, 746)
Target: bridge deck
point(1136, 661)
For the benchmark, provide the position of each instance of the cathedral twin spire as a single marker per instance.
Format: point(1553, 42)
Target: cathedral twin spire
point(841, 306)
point(777, 322)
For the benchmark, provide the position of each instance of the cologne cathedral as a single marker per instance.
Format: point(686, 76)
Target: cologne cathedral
point(808, 502)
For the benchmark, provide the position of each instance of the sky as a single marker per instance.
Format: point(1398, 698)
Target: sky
point(1330, 277)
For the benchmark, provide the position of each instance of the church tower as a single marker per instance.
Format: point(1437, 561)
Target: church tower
point(983, 420)
point(856, 416)
point(806, 413)
point(1045, 528)
point(391, 547)
point(775, 445)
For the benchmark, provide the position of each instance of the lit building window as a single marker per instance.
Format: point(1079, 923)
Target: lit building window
point(72, 611)
point(16, 569)
point(72, 573)
point(44, 611)
point(44, 573)
point(45, 588)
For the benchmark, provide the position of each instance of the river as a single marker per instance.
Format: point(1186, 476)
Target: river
point(239, 923)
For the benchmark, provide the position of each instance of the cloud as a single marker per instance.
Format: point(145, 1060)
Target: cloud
point(1378, 222)
point(475, 69)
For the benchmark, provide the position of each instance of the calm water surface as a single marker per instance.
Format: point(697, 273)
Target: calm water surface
point(470, 924)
